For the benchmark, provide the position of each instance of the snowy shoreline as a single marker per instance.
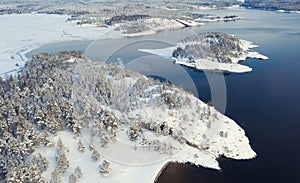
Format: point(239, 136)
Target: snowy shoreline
point(274, 10)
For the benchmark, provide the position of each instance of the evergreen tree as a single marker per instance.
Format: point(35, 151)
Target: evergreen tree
point(105, 168)
point(81, 147)
point(95, 155)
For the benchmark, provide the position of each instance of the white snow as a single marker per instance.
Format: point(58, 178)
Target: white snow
point(21, 33)
point(189, 23)
point(153, 25)
point(286, 11)
point(281, 11)
point(205, 64)
point(207, 7)
point(222, 137)
point(207, 19)
point(130, 164)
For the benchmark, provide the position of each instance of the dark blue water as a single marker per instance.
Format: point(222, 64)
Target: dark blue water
point(264, 102)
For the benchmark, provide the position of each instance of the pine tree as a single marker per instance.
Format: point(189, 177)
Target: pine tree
point(72, 178)
point(104, 168)
point(104, 141)
point(39, 119)
point(63, 163)
point(78, 172)
point(45, 139)
point(55, 176)
point(81, 147)
point(95, 155)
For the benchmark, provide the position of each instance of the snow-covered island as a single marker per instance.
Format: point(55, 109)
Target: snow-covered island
point(63, 120)
point(148, 26)
point(214, 18)
point(228, 18)
point(213, 51)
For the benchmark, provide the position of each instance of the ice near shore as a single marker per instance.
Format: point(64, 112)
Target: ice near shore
point(24, 32)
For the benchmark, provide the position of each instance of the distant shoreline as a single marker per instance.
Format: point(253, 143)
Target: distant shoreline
point(274, 9)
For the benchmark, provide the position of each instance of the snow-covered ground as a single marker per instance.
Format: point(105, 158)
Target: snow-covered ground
point(24, 32)
point(209, 134)
point(150, 26)
point(209, 63)
point(129, 164)
point(189, 23)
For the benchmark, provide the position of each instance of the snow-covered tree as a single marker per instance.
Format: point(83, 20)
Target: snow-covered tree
point(81, 147)
point(72, 178)
point(95, 155)
point(78, 172)
point(105, 168)
point(55, 176)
